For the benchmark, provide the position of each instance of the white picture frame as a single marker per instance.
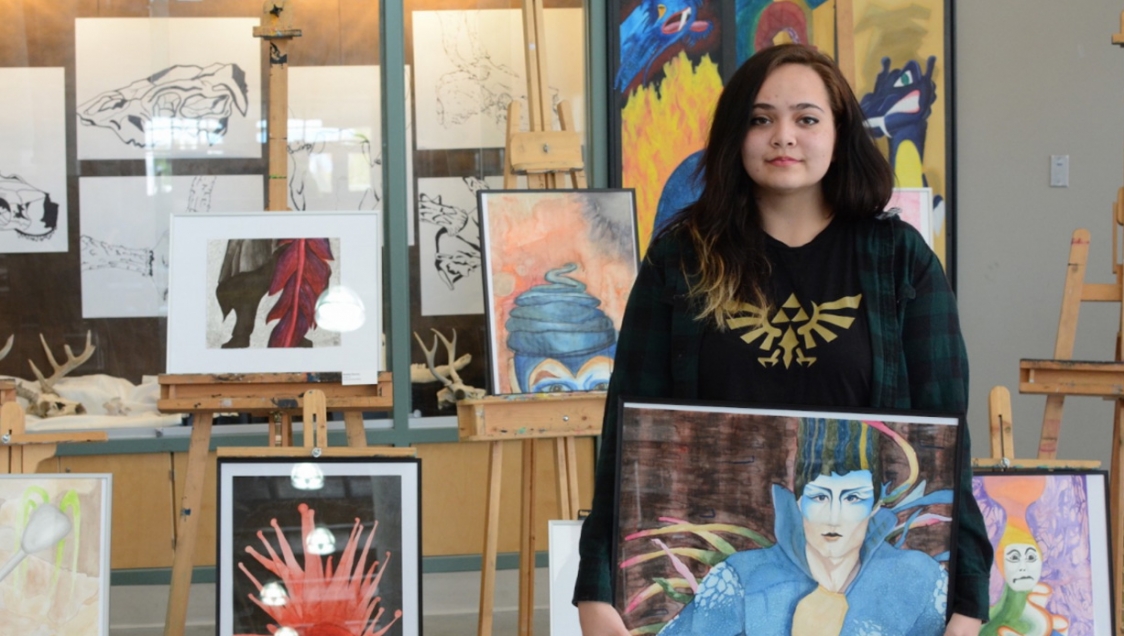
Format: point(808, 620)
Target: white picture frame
point(563, 557)
point(59, 592)
point(193, 305)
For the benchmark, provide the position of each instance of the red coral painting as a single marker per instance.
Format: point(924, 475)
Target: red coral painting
point(314, 549)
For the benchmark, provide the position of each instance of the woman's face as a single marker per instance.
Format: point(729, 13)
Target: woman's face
point(791, 139)
point(836, 511)
point(1022, 566)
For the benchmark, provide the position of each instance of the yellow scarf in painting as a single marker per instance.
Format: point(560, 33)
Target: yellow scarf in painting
point(819, 614)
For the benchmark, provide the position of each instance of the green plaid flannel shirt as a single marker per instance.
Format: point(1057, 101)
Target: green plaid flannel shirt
point(919, 363)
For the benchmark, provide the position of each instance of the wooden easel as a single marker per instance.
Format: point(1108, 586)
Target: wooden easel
point(278, 395)
point(21, 452)
point(528, 417)
point(1061, 376)
point(1002, 431)
point(546, 157)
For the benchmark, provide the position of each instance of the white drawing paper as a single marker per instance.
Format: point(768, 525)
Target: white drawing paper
point(449, 245)
point(124, 242)
point(33, 204)
point(469, 65)
point(335, 140)
point(167, 87)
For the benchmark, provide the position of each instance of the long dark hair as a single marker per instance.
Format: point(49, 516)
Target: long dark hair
point(725, 225)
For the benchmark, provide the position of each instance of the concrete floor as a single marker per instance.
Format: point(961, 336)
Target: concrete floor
point(449, 604)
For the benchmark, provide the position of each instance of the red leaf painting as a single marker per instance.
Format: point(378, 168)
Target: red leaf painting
point(301, 275)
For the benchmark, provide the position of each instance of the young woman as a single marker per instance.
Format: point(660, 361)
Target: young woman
point(728, 304)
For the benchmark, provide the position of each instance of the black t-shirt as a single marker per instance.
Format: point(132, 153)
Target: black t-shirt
point(814, 347)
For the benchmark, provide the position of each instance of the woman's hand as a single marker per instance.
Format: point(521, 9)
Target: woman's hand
point(600, 619)
point(961, 625)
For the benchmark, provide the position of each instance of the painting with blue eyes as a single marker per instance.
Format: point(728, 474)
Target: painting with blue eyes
point(558, 268)
point(757, 521)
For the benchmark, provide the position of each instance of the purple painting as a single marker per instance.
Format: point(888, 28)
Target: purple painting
point(1051, 552)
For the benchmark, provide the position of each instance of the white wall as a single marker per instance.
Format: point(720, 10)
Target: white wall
point(1035, 79)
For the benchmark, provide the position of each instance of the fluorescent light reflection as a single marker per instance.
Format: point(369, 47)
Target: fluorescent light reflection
point(320, 541)
point(286, 631)
point(306, 476)
point(274, 595)
point(340, 309)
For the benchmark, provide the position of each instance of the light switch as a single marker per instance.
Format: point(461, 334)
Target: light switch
point(1059, 171)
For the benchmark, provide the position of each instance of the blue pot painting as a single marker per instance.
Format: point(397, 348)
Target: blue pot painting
point(561, 339)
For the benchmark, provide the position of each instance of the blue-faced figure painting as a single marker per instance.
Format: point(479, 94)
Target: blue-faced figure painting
point(559, 267)
point(832, 570)
point(561, 340)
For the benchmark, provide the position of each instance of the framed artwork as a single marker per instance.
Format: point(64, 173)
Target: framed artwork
point(1052, 562)
point(562, 543)
point(243, 291)
point(915, 206)
point(558, 268)
point(333, 543)
point(54, 553)
point(751, 520)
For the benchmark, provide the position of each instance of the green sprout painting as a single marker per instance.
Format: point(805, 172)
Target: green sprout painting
point(52, 557)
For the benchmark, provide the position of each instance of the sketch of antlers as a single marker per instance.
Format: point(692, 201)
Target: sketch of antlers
point(72, 363)
point(455, 388)
point(7, 347)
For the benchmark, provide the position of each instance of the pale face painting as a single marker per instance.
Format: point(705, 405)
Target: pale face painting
point(836, 510)
point(1022, 566)
point(791, 139)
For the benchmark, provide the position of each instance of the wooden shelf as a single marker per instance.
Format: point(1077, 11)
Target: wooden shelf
point(1072, 377)
point(532, 415)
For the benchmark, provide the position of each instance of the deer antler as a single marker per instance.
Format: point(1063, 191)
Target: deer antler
point(452, 349)
point(72, 363)
point(7, 347)
point(429, 355)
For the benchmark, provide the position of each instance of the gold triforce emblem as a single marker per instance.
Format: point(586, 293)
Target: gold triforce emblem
point(791, 329)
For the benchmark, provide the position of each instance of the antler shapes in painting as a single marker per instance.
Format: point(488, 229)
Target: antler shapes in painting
point(301, 275)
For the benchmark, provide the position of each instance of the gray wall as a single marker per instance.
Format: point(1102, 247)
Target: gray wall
point(1035, 79)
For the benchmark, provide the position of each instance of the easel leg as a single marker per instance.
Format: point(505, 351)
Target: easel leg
point(356, 436)
point(491, 541)
point(527, 543)
point(562, 473)
point(572, 469)
point(1051, 426)
point(1116, 489)
point(286, 429)
point(188, 526)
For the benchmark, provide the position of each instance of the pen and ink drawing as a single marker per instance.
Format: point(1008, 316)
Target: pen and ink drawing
point(33, 192)
point(178, 87)
point(335, 144)
point(449, 245)
point(183, 104)
point(124, 249)
point(468, 73)
point(26, 210)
